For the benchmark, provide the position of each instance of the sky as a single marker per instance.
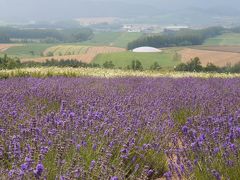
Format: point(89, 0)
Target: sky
point(67, 9)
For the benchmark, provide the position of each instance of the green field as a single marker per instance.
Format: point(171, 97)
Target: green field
point(27, 50)
point(118, 39)
point(115, 39)
point(225, 39)
point(165, 59)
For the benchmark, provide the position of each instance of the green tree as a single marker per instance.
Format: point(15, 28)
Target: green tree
point(155, 66)
point(179, 38)
point(108, 65)
point(194, 65)
point(136, 65)
point(211, 68)
point(9, 63)
point(181, 67)
point(235, 68)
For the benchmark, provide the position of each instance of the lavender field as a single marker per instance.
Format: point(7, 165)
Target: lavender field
point(120, 128)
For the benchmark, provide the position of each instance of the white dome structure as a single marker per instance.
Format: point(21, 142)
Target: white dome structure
point(147, 49)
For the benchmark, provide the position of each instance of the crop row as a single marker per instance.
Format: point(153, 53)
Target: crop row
point(119, 128)
point(66, 50)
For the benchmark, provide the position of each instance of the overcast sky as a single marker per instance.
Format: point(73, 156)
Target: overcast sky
point(65, 9)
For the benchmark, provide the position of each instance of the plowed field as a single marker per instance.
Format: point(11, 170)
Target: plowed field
point(4, 47)
point(216, 57)
point(81, 53)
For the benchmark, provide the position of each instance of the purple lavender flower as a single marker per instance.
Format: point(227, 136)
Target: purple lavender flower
point(71, 114)
point(216, 150)
point(39, 170)
point(136, 167)
point(168, 175)
point(185, 129)
point(150, 172)
point(94, 147)
point(11, 173)
point(78, 146)
point(114, 178)
point(24, 167)
point(119, 122)
point(216, 174)
point(124, 151)
point(92, 165)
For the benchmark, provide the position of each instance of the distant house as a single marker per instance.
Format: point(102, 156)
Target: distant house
point(131, 28)
point(146, 28)
point(175, 28)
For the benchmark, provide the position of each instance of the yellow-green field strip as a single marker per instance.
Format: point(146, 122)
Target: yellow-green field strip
point(108, 73)
point(67, 50)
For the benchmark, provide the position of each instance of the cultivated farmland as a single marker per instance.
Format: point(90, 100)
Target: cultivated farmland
point(234, 49)
point(81, 53)
point(4, 47)
point(209, 56)
point(123, 59)
point(63, 50)
point(224, 39)
point(119, 128)
point(27, 50)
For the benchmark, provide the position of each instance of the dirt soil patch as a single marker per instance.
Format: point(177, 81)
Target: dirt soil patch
point(4, 47)
point(234, 49)
point(218, 58)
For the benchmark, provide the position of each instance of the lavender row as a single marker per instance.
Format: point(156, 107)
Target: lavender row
point(121, 128)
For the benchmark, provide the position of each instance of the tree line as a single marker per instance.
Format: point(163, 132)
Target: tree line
point(10, 34)
point(9, 63)
point(194, 65)
point(185, 37)
point(14, 63)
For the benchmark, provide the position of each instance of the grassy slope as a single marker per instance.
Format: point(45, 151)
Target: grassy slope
point(123, 59)
point(118, 39)
point(225, 39)
point(25, 50)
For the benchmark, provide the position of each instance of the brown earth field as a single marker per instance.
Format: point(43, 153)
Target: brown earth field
point(4, 47)
point(234, 49)
point(218, 58)
point(87, 57)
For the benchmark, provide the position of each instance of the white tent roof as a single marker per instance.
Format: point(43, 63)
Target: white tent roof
point(146, 49)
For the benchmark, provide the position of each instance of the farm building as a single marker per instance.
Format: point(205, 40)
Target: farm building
point(147, 49)
point(175, 28)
